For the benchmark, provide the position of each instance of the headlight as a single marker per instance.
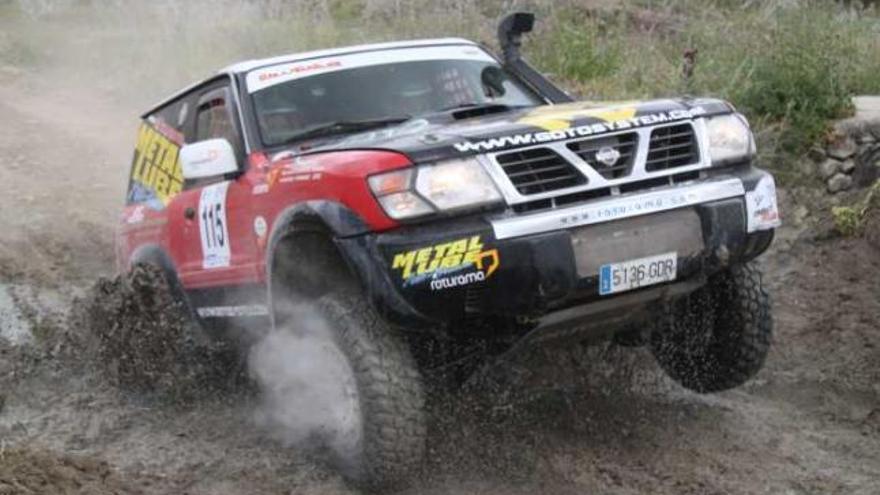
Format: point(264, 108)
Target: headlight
point(456, 184)
point(729, 138)
point(443, 186)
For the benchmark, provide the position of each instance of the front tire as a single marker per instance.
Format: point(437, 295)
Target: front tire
point(389, 388)
point(717, 337)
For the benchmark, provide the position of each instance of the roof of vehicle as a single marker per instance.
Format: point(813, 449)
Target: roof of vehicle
point(249, 65)
point(293, 57)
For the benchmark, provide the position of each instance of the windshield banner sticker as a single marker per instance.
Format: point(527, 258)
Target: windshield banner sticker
point(528, 138)
point(270, 76)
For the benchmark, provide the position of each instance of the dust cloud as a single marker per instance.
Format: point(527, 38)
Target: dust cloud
point(309, 393)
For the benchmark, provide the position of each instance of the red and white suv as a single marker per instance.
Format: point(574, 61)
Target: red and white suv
point(432, 199)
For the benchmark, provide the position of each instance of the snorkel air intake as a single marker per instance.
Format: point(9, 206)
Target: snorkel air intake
point(510, 33)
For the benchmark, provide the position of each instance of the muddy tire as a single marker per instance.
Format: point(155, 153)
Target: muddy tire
point(389, 388)
point(718, 337)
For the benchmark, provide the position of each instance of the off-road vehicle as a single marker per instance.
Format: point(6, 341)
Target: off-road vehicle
point(431, 198)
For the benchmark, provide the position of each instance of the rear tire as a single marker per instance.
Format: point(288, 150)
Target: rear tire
point(389, 389)
point(717, 337)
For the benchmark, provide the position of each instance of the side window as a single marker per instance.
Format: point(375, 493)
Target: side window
point(173, 119)
point(214, 117)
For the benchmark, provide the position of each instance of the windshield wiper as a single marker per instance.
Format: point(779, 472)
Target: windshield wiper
point(344, 126)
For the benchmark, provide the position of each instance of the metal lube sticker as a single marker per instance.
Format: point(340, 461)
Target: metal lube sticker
point(156, 175)
point(446, 265)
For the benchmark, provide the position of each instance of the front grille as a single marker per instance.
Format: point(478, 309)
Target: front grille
point(671, 147)
point(625, 144)
point(539, 170)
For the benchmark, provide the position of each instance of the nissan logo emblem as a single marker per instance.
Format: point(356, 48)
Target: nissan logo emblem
point(607, 156)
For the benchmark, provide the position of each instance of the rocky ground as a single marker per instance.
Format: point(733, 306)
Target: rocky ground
point(606, 420)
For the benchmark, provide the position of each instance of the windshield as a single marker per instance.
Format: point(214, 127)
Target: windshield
point(376, 92)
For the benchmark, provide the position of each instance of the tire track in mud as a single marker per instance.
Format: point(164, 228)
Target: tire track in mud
point(607, 421)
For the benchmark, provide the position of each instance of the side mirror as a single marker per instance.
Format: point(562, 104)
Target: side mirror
point(208, 158)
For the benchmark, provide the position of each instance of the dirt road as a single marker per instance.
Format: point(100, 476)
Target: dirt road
point(607, 422)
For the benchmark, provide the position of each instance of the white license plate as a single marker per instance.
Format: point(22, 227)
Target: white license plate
point(641, 272)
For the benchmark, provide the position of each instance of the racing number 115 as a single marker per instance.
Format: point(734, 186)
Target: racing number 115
point(213, 228)
point(212, 224)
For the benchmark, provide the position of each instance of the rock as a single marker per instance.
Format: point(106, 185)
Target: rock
point(848, 127)
point(842, 148)
point(800, 214)
point(867, 168)
point(807, 168)
point(874, 128)
point(817, 154)
point(848, 166)
point(828, 168)
point(867, 139)
point(840, 182)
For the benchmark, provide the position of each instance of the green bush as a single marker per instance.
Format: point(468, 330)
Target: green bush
point(577, 51)
point(803, 75)
point(851, 220)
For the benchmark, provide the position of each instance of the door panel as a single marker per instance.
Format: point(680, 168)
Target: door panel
point(212, 236)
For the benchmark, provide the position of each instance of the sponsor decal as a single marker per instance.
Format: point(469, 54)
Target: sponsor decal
point(261, 227)
point(296, 69)
point(259, 189)
point(457, 280)
point(136, 215)
point(450, 264)
point(156, 175)
point(636, 206)
point(273, 176)
point(529, 138)
point(557, 118)
point(233, 311)
point(763, 209)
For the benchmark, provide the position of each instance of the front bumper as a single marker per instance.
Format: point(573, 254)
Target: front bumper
point(527, 266)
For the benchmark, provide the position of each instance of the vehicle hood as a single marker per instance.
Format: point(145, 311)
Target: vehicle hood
point(455, 135)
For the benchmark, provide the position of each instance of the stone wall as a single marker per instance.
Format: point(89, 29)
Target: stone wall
point(850, 156)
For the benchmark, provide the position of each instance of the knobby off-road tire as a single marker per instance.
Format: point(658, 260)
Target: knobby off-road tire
point(389, 388)
point(717, 337)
